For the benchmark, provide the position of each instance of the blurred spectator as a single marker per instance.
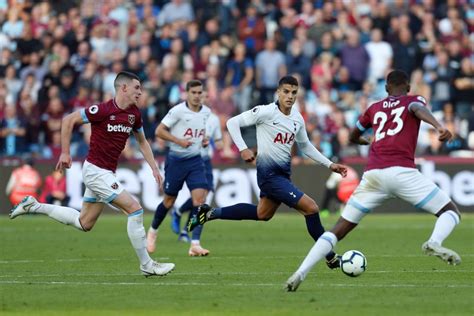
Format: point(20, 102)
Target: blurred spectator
point(176, 10)
point(380, 54)
point(240, 76)
point(13, 27)
point(270, 66)
point(418, 86)
point(54, 189)
point(53, 150)
point(440, 79)
point(355, 58)
point(52, 118)
point(12, 132)
point(405, 52)
point(251, 30)
point(24, 180)
point(322, 73)
point(12, 84)
point(30, 114)
point(67, 88)
point(319, 28)
point(177, 59)
point(342, 147)
point(298, 63)
point(34, 67)
point(463, 89)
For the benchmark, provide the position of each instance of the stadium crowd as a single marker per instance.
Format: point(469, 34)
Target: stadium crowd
point(60, 56)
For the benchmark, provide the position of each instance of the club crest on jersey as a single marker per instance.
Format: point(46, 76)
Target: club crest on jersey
point(284, 138)
point(131, 119)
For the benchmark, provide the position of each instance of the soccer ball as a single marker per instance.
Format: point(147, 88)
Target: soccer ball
point(353, 263)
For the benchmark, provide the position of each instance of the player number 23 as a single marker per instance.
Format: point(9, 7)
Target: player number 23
point(380, 118)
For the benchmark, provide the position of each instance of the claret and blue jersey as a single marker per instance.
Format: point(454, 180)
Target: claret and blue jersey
point(396, 131)
point(108, 119)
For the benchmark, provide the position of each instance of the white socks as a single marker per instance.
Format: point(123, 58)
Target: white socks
point(321, 248)
point(65, 215)
point(444, 226)
point(136, 233)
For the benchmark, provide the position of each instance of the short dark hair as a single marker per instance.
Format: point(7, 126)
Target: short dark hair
point(124, 76)
point(397, 77)
point(193, 83)
point(288, 80)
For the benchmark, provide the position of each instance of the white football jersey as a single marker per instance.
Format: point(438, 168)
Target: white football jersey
point(185, 123)
point(213, 131)
point(276, 134)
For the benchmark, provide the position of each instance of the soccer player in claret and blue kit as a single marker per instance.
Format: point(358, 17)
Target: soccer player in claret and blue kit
point(391, 172)
point(112, 122)
point(279, 125)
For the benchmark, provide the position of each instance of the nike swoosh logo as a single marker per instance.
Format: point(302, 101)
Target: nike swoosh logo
point(275, 123)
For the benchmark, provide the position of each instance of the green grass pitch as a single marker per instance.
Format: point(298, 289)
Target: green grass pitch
point(50, 269)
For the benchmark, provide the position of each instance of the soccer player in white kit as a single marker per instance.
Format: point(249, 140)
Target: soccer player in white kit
point(391, 172)
point(214, 136)
point(184, 127)
point(279, 126)
point(112, 122)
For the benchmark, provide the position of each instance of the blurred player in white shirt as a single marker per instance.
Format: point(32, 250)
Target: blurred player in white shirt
point(184, 127)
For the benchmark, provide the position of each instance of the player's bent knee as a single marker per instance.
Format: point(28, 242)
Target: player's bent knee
point(451, 206)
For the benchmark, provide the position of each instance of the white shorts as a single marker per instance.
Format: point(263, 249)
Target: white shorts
point(408, 184)
point(101, 184)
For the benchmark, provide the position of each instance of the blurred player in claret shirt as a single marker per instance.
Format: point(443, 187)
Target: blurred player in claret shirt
point(279, 126)
point(391, 172)
point(112, 122)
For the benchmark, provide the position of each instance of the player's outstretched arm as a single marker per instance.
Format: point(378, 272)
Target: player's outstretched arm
point(67, 125)
point(425, 115)
point(148, 155)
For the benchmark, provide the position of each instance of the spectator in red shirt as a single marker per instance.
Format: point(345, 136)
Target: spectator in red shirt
point(54, 190)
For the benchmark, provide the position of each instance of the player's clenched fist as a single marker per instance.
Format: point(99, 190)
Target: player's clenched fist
point(341, 169)
point(444, 134)
point(247, 155)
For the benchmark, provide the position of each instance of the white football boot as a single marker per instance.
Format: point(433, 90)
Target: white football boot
point(153, 268)
point(431, 248)
point(24, 207)
point(293, 282)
